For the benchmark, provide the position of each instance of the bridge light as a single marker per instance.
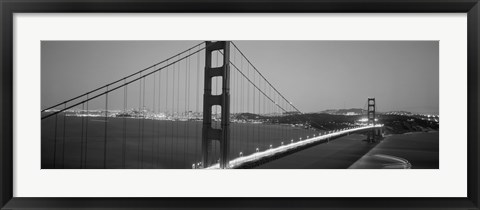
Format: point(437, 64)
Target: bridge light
point(271, 146)
point(193, 166)
point(241, 154)
point(257, 149)
point(282, 143)
point(291, 140)
point(300, 138)
point(308, 137)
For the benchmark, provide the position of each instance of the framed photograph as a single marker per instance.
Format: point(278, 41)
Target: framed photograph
point(239, 105)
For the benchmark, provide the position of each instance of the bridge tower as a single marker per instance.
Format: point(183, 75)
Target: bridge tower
point(371, 119)
point(210, 134)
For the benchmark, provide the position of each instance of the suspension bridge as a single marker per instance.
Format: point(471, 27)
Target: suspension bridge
point(159, 117)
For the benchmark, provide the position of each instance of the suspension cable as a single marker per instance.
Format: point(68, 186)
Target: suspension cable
point(131, 75)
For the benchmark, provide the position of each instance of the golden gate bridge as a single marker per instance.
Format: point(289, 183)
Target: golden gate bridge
point(158, 117)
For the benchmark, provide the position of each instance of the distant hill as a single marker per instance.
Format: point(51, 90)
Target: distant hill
point(351, 111)
point(398, 113)
point(394, 122)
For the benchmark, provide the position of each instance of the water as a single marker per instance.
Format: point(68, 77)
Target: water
point(92, 142)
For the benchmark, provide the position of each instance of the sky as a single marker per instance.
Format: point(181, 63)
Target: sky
point(314, 75)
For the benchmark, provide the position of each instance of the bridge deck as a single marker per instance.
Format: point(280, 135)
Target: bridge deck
point(285, 148)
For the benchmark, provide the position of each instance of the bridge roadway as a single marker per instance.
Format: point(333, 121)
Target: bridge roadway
point(238, 162)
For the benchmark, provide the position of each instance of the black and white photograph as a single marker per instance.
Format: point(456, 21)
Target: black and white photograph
point(239, 104)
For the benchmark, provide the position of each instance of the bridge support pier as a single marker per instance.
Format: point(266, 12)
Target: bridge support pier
point(210, 134)
point(379, 132)
point(371, 119)
point(375, 133)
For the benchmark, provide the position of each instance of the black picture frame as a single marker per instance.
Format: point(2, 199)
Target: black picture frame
point(9, 7)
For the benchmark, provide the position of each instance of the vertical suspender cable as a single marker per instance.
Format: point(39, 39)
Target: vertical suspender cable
point(105, 133)
point(244, 124)
point(232, 111)
point(81, 137)
point(144, 113)
point(235, 110)
point(188, 110)
point(55, 143)
point(173, 114)
point(167, 118)
point(259, 114)
point(154, 120)
point(197, 140)
point(158, 118)
point(248, 107)
point(86, 134)
point(139, 121)
point(254, 140)
point(185, 130)
point(185, 117)
point(63, 145)
point(178, 110)
point(270, 123)
point(264, 116)
point(124, 143)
